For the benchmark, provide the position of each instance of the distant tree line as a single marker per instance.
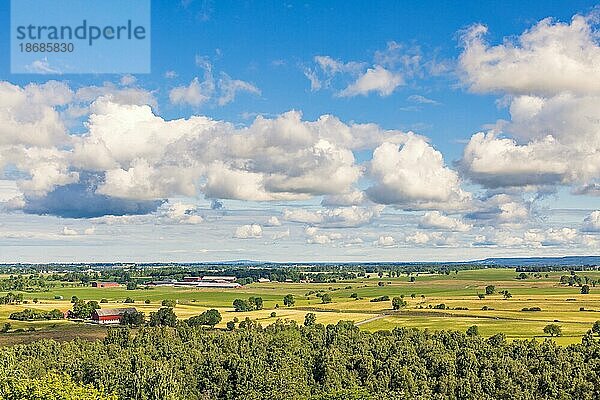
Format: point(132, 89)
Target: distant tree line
point(23, 283)
point(555, 268)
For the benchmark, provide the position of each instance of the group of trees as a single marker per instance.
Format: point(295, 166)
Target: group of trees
point(380, 298)
point(165, 316)
point(23, 283)
point(577, 280)
point(253, 303)
point(551, 329)
point(29, 314)
point(256, 303)
point(83, 309)
point(11, 298)
point(531, 309)
point(133, 318)
point(54, 385)
point(208, 318)
point(491, 289)
point(312, 361)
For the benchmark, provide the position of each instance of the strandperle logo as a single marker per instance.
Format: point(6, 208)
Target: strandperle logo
point(90, 33)
point(80, 36)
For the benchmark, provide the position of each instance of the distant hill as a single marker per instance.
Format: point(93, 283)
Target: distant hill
point(570, 260)
point(492, 261)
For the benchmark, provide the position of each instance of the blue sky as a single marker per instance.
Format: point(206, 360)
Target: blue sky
point(231, 115)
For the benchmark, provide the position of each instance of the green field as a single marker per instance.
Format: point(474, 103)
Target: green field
point(558, 303)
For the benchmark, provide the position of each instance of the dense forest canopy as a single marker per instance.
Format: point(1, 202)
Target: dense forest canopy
point(288, 361)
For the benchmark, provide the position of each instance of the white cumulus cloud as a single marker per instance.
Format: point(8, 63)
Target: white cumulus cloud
point(413, 176)
point(376, 79)
point(253, 231)
point(437, 220)
point(385, 241)
point(591, 223)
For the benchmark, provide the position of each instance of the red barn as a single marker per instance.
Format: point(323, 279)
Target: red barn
point(110, 315)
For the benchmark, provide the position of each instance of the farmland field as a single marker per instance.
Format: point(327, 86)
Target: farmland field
point(459, 292)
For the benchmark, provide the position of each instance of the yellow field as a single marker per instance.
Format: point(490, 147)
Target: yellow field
point(559, 304)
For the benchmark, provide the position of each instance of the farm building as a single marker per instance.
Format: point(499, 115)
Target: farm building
point(207, 278)
point(161, 283)
point(209, 284)
point(105, 284)
point(263, 280)
point(218, 284)
point(110, 315)
point(201, 282)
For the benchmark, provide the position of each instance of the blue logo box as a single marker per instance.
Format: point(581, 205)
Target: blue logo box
point(80, 36)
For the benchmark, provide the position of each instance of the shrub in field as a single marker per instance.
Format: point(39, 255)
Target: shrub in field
point(5, 328)
point(585, 289)
point(553, 330)
point(326, 298)
point(398, 303)
point(288, 300)
point(473, 331)
point(168, 303)
point(310, 319)
point(380, 298)
point(596, 328)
